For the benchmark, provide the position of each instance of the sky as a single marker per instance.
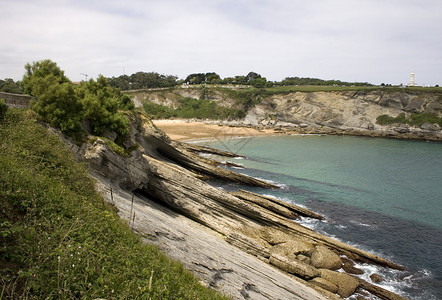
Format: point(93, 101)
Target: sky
point(376, 41)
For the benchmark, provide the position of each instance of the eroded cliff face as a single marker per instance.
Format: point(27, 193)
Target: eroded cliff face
point(170, 175)
point(343, 112)
point(349, 110)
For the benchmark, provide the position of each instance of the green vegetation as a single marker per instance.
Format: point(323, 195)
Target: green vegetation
point(59, 239)
point(307, 81)
point(190, 108)
point(100, 104)
point(143, 80)
point(9, 86)
point(415, 119)
point(3, 109)
point(66, 106)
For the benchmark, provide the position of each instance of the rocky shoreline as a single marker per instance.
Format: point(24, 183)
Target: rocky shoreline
point(430, 132)
point(323, 112)
point(245, 244)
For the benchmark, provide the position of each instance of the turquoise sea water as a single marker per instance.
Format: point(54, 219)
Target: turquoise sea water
point(382, 195)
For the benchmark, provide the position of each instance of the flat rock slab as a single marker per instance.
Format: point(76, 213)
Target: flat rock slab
point(215, 262)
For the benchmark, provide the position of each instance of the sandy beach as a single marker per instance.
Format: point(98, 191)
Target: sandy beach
point(185, 130)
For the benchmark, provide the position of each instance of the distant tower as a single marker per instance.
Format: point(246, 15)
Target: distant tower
point(412, 83)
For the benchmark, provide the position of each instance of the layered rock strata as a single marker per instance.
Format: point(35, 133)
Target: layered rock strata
point(323, 112)
point(169, 175)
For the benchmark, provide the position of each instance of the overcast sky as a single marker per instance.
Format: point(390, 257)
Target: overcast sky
point(376, 41)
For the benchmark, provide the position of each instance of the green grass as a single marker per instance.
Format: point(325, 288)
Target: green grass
point(415, 119)
point(59, 239)
point(191, 108)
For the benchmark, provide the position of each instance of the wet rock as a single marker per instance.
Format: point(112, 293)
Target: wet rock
point(378, 291)
point(375, 278)
point(324, 258)
point(266, 203)
point(295, 209)
point(348, 266)
point(346, 284)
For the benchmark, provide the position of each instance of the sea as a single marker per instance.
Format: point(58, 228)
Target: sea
point(380, 195)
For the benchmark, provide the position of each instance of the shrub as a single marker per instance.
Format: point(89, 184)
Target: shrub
point(3, 108)
point(415, 119)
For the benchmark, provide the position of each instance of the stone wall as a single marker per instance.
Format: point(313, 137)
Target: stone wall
point(16, 100)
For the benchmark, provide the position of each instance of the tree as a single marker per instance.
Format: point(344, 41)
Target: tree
point(258, 82)
point(101, 103)
point(197, 78)
point(252, 76)
point(240, 79)
point(56, 101)
point(122, 82)
point(9, 86)
point(66, 107)
point(213, 78)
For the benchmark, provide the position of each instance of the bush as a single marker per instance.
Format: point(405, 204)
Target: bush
point(387, 120)
point(415, 119)
point(3, 108)
point(191, 108)
point(101, 103)
point(157, 111)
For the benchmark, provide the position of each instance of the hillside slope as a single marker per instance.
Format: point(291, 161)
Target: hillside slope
point(59, 239)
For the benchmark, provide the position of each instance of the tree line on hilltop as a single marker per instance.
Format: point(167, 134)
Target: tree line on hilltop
point(143, 80)
point(147, 80)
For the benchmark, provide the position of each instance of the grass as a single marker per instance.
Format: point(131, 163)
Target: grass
point(59, 239)
point(190, 108)
point(415, 119)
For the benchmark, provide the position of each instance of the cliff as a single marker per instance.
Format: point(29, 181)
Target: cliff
point(245, 244)
point(316, 110)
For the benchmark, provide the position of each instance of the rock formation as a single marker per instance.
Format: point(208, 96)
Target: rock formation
point(324, 112)
point(168, 175)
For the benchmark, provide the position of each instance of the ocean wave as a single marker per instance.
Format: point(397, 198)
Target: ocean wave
point(396, 281)
point(280, 185)
point(358, 223)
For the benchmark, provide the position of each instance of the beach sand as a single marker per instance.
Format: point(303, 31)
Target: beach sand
point(185, 130)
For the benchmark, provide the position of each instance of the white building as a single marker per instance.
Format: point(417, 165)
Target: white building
point(412, 83)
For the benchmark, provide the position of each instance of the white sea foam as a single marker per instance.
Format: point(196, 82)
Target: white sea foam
point(339, 226)
point(280, 185)
point(394, 280)
point(363, 224)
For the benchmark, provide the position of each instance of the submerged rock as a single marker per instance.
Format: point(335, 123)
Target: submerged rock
point(375, 278)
